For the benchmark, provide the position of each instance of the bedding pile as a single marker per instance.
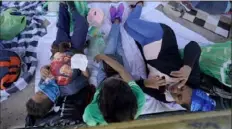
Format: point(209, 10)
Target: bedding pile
point(25, 43)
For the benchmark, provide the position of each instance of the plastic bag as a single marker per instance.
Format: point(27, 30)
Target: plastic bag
point(215, 61)
point(11, 23)
point(96, 45)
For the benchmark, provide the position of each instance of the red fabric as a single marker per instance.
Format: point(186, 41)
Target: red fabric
point(61, 68)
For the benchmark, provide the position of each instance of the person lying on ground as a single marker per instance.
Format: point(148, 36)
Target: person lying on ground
point(59, 79)
point(116, 99)
point(68, 110)
point(170, 78)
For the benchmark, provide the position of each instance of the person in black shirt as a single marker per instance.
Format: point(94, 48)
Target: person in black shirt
point(170, 77)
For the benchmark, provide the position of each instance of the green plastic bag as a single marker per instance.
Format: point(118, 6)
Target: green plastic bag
point(11, 25)
point(215, 61)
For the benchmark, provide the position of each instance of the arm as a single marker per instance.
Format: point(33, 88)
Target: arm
point(116, 66)
point(85, 73)
point(192, 52)
point(44, 72)
point(155, 93)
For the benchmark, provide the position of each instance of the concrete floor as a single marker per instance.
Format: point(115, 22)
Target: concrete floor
point(13, 110)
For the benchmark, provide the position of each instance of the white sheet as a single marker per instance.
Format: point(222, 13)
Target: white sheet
point(183, 35)
point(44, 45)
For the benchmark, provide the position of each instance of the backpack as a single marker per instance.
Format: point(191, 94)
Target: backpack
point(10, 68)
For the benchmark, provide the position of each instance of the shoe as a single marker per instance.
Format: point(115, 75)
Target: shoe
point(113, 12)
point(120, 11)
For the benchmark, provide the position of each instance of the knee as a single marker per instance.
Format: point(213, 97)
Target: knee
point(194, 45)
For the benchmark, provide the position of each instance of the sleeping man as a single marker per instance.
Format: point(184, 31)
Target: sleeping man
point(170, 78)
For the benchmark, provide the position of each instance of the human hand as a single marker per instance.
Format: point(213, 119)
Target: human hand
point(44, 71)
point(182, 75)
point(154, 82)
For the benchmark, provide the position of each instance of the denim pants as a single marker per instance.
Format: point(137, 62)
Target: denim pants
point(142, 31)
point(212, 7)
point(113, 47)
point(80, 28)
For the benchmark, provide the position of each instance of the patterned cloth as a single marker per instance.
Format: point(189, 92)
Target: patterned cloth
point(201, 101)
point(61, 68)
point(25, 43)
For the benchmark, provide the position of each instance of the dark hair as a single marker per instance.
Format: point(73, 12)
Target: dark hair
point(38, 109)
point(62, 47)
point(116, 101)
point(186, 106)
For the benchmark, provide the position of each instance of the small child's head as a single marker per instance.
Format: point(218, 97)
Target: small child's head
point(39, 104)
point(61, 47)
point(116, 101)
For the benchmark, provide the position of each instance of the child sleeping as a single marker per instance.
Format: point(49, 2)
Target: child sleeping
point(58, 79)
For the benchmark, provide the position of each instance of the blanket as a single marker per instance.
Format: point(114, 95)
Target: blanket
point(25, 43)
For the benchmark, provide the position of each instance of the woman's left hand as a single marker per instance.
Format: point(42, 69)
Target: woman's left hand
point(182, 75)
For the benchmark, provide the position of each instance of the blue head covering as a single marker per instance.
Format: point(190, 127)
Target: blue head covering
point(201, 101)
point(51, 89)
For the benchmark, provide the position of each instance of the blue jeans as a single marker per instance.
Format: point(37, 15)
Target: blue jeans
point(113, 47)
point(212, 7)
point(142, 31)
point(80, 28)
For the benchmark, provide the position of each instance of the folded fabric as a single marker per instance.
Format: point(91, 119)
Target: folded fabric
point(79, 61)
point(95, 17)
